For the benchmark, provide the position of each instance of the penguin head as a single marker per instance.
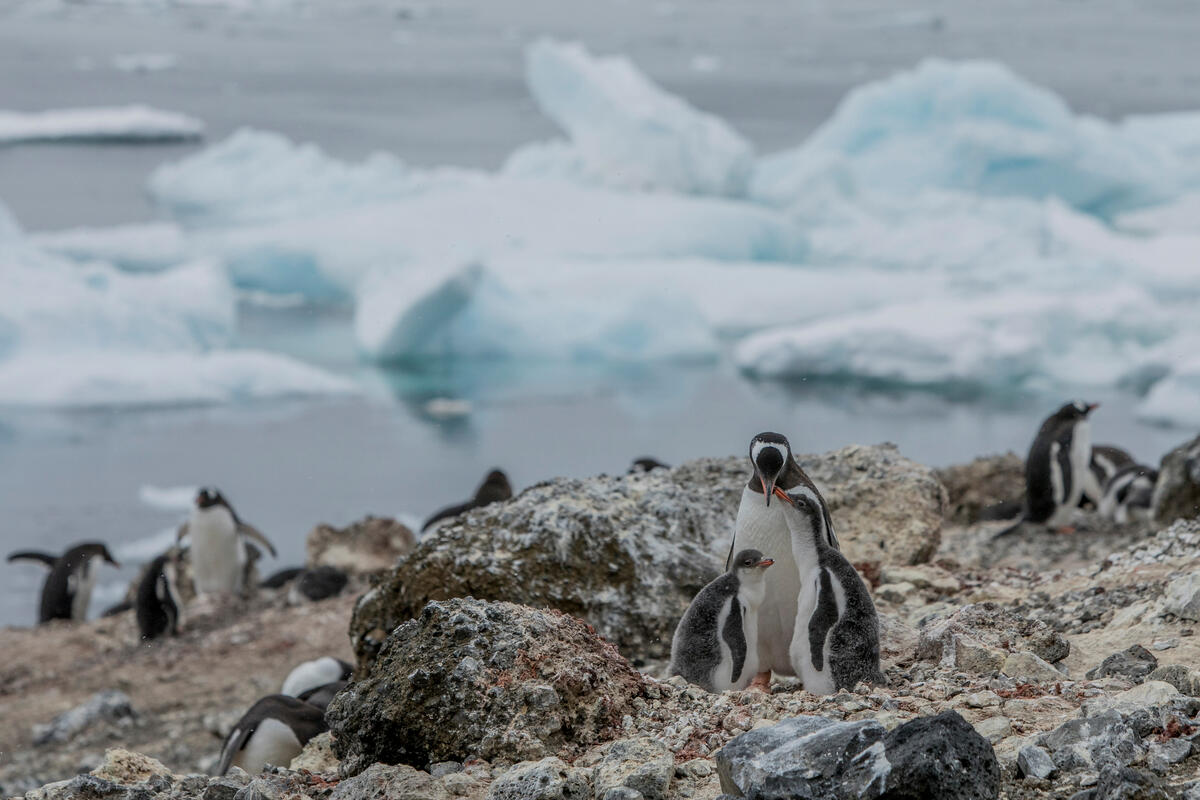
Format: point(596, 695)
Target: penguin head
point(751, 561)
point(770, 454)
point(494, 487)
point(1076, 410)
point(89, 550)
point(208, 497)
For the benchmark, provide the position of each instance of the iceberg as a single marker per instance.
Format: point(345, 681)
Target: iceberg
point(128, 124)
point(973, 127)
point(1175, 399)
point(148, 247)
point(624, 130)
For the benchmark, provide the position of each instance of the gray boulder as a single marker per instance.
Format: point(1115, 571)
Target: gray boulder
point(1177, 492)
point(475, 679)
point(1034, 762)
point(1123, 783)
point(110, 706)
point(940, 757)
point(1133, 664)
point(628, 553)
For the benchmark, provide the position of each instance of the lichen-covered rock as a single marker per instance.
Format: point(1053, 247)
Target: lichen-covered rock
point(110, 705)
point(548, 779)
point(643, 764)
point(372, 544)
point(317, 755)
point(385, 782)
point(991, 626)
point(628, 553)
point(983, 482)
point(1182, 677)
point(122, 766)
point(1177, 492)
point(475, 679)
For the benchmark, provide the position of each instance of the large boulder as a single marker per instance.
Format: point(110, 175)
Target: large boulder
point(984, 482)
point(628, 553)
point(1177, 493)
point(474, 679)
point(979, 638)
point(372, 544)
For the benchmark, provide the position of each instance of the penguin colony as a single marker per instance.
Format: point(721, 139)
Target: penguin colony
point(789, 602)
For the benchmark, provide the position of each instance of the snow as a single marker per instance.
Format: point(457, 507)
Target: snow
point(129, 124)
point(167, 498)
point(624, 130)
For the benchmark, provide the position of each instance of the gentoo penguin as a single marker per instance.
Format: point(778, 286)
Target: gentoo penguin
point(273, 731)
point(1106, 460)
point(219, 548)
point(322, 696)
point(1059, 462)
point(761, 525)
point(317, 672)
point(495, 487)
point(68, 588)
point(715, 644)
point(835, 643)
point(1128, 493)
point(281, 578)
point(645, 464)
point(159, 609)
point(317, 583)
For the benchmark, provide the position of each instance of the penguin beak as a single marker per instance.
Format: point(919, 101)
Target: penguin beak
point(766, 562)
point(768, 490)
point(1092, 407)
point(114, 563)
point(782, 495)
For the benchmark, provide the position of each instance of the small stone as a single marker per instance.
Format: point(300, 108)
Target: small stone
point(1182, 597)
point(1163, 755)
point(548, 779)
point(971, 656)
point(895, 592)
point(1165, 644)
point(994, 728)
point(107, 706)
point(1131, 701)
point(1026, 666)
point(1183, 678)
point(1130, 615)
point(444, 768)
point(981, 700)
point(643, 764)
point(1134, 663)
point(1034, 762)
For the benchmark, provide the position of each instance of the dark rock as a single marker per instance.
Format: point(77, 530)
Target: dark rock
point(1133, 664)
point(982, 483)
point(1177, 492)
point(1163, 755)
point(1034, 762)
point(738, 762)
point(225, 787)
point(940, 757)
point(548, 779)
point(109, 705)
point(473, 679)
point(1123, 783)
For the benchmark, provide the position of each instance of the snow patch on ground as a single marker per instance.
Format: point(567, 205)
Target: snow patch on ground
point(128, 124)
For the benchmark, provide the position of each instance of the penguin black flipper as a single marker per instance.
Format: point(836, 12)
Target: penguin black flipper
point(119, 608)
point(450, 511)
point(824, 616)
point(304, 720)
point(282, 578)
point(251, 532)
point(32, 555)
point(735, 638)
point(234, 744)
point(322, 696)
point(854, 642)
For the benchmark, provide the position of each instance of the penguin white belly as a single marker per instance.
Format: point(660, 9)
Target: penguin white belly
point(750, 667)
point(816, 681)
point(271, 743)
point(764, 528)
point(216, 555)
point(84, 584)
point(1081, 461)
point(721, 677)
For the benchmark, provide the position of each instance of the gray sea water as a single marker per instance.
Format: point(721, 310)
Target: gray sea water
point(441, 83)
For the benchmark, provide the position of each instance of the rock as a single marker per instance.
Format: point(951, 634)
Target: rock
point(225, 787)
point(895, 592)
point(1133, 664)
point(628, 553)
point(1183, 597)
point(1092, 742)
point(109, 705)
point(1034, 762)
point(1163, 755)
point(1028, 668)
point(444, 768)
point(981, 483)
point(941, 757)
point(122, 766)
point(1183, 678)
point(1148, 696)
point(741, 762)
point(386, 782)
point(642, 764)
point(994, 728)
point(992, 626)
point(317, 755)
point(1177, 492)
point(897, 640)
point(474, 679)
point(971, 656)
point(1123, 783)
point(372, 544)
point(548, 779)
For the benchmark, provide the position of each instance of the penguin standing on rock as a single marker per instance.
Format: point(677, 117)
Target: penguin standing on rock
point(762, 525)
point(159, 609)
point(715, 645)
point(835, 643)
point(67, 591)
point(495, 487)
point(1058, 465)
point(273, 731)
point(220, 549)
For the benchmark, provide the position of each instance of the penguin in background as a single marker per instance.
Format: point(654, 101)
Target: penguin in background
point(761, 525)
point(1057, 467)
point(1128, 494)
point(273, 731)
point(159, 609)
point(322, 696)
point(313, 674)
point(1106, 461)
point(715, 644)
point(646, 464)
point(835, 643)
point(495, 487)
point(220, 549)
point(67, 591)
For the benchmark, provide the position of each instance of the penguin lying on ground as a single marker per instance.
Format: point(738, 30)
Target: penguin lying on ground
point(645, 464)
point(716, 643)
point(159, 609)
point(317, 672)
point(761, 526)
point(495, 487)
point(1059, 463)
point(273, 731)
point(1128, 493)
point(67, 591)
point(218, 552)
point(1106, 461)
point(322, 696)
point(835, 643)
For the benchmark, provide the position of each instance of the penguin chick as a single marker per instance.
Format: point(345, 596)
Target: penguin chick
point(67, 591)
point(317, 672)
point(495, 487)
point(1128, 493)
point(716, 643)
point(159, 609)
point(219, 551)
point(273, 731)
point(1106, 460)
point(835, 643)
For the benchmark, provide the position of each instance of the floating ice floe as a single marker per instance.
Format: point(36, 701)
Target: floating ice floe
point(132, 124)
point(624, 130)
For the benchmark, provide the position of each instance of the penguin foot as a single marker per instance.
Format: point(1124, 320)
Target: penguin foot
point(761, 682)
point(1065, 529)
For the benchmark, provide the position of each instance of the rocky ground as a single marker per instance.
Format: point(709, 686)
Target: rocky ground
point(1046, 664)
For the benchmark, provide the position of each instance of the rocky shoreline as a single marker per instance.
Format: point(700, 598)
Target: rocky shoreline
point(519, 652)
